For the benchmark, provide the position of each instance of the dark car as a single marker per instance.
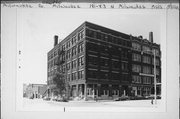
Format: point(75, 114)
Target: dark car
point(121, 98)
point(139, 97)
point(31, 97)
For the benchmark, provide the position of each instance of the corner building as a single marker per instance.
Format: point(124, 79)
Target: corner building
point(102, 63)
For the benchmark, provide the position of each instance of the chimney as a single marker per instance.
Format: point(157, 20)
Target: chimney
point(151, 37)
point(55, 40)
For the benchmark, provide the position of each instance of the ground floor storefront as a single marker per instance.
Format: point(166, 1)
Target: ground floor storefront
point(106, 91)
point(98, 91)
point(144, 90)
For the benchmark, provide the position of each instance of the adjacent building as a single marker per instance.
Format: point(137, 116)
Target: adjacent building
point(34, 90)
point(100, 62)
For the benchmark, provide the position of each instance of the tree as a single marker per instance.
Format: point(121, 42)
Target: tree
point(59, 82)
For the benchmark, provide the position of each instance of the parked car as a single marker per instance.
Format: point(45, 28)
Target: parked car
point(149, 96)
point(152, 97)
point(139, 97)
point(121, 98)
point(46, 98)
point(59, 99)
point(62, 99)
point(31, 97)
point(54, 98)
point(158, 97)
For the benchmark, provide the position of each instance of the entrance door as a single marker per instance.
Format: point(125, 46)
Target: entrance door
point(125, 90)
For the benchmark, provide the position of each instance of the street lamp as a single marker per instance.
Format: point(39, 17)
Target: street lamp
point(154, 53)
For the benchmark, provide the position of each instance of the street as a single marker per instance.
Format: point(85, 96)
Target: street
point(40, 104)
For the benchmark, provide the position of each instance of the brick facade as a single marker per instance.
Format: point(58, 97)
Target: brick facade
point(103, 63)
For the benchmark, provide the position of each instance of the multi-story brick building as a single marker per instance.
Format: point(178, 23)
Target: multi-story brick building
point(143, 63)
point(103, 63)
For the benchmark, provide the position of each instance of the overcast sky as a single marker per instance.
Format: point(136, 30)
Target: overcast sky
point(40, 25)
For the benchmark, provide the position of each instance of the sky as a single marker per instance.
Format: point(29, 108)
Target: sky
point(40, 26)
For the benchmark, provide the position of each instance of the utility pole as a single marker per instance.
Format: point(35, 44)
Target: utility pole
point(154, 53)
point(155, 76)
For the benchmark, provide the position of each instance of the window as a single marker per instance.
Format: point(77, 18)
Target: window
point(146, 59)
point(157, 71)
point(55, 53)
point(63, 68)
point(91, 33)
point(157, 52)
point(138, 90)
point(104, 49)
point(51, 56)
point(92, 47)
point(80, 74)
point(69, 77)
point(147, 80)
point(105, 92)
point(124, 43)
point(115, 76)
point(102, 36)
point(124, 54)
point(114, 40)
point(146, 69)
point(103, 75)
point(125, 77)
point(92, 74)
point(68, 66)
point(146, 49)
point(136, 46)
point(74, 75)
point(81, 35)
point(55, 61)
point(73, 40)
point(63, 57)
point(136, 79)
point(68, 55)
point(59, 51)
point(146, 91)
point(92, 60)
point(63, 47)
point(115, 92)
point(74, 64)
point(74, 51)
point(136, 68)
point(98, 35)
point(158, 80)
point(68, 44)
point(136, 57)
point(104, 62)
point(81, 47)
point(157, 61)
point(124, 66)
point(89, 91)
point(81, 61)
point(119, 41)
point(115, 64)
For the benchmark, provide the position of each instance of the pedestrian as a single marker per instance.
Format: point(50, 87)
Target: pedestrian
point(96, 98)
point(152, 101)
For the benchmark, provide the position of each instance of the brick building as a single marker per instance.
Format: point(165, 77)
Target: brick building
point(34, 90)
point(104, 63)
